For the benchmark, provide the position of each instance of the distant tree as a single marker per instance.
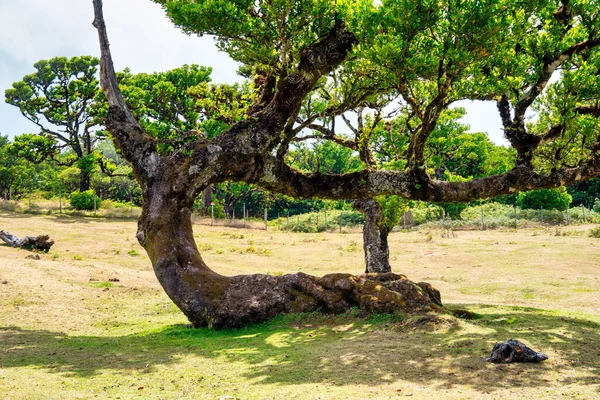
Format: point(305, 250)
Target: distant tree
point(547, 199)
point(585, 193)
point(15, 173)
point(63, 99)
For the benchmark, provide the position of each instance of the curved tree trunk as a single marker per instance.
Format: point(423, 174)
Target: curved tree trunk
point(375, 234)
point(210, 299)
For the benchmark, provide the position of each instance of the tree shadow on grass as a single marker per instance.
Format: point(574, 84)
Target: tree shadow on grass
point(339, 350)
point(60, 218)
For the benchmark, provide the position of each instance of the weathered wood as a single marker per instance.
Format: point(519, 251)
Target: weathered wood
point(514, 351)
point(41, 242)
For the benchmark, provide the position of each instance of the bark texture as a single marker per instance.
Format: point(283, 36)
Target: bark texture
point(375, 236)
point(84, 181)
point(210, 299)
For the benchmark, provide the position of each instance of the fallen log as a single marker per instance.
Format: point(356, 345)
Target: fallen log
point(514, 351)
point(41, 243)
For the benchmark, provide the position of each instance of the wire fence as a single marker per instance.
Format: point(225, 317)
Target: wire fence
point(487, 216)
point(473, 218)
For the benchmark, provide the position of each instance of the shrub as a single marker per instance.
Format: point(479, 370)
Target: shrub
point(595, 232)
point(315, 221)
point(547, 199)
point(597, 205)
point(83, 200)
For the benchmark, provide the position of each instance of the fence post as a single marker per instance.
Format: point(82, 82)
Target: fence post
point(212, 214)
point(515, 214)
point(265, 218)
point(244, 215)
point(443, 219)
point(94, 204)
point(482, 221)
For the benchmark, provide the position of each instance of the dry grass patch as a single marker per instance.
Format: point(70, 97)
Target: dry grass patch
point(102, 327)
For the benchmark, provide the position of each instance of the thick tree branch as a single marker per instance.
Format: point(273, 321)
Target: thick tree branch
point(551, 134)
point(279, 177)
point(241, 149)
point(588, 110)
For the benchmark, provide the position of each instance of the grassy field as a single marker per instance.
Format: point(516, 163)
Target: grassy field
point(89, 319)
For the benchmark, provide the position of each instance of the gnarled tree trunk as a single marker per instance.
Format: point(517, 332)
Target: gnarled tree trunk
point(375, 235)
point(210, 299)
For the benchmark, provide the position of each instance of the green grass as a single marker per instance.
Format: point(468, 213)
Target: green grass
point(67, 331)
point(292, 354)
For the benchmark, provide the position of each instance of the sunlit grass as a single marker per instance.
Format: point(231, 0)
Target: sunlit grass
point(101, 327)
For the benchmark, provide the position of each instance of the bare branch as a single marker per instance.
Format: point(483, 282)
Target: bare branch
point(138, 147)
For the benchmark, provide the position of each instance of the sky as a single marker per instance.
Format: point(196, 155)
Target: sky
point(142, 38)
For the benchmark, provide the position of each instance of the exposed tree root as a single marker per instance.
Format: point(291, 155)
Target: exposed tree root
point(256, 298)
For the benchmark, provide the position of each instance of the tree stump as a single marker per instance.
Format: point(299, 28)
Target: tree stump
point(514, 351)
point(41, 243)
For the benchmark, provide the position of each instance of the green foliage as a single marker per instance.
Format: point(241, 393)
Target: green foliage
point(325, 157)
point(585, 193)
point(425, 212)
point(181, 105)
point(315, 221)
point(595, 232)
point(597, 205)
point(452, 152)
point(88, 163)
point(34, 148)
point(393, 207)
point(502, 215)
point(84, 200)
point(16, 174)
point(266, 36)
point(547, 199)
